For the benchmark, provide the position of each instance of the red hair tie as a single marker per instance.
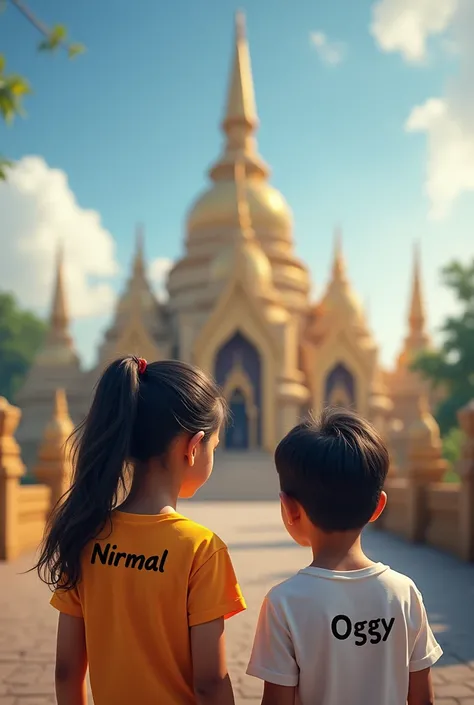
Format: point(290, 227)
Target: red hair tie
point(142, 365)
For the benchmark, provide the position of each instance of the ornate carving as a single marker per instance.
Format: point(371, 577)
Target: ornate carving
point(11, 469)
point(11, 465)
point(54, 458)
point(425, 459)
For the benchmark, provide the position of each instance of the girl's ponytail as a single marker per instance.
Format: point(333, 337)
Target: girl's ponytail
point(101, 450)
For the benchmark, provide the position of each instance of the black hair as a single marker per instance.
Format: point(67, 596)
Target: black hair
point(335, 467)
point(134, 417)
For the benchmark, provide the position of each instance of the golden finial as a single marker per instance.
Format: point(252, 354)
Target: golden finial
point(425, 457)
point(60, 408)
point(139, 260)
point(59, 303)
point(240, 32)
point(59, 316)
point(139, 238)
point(53, 467)
point(240, 120)
point(417, 314)
point(241, 99)
point(338, 267)
point(424, 429)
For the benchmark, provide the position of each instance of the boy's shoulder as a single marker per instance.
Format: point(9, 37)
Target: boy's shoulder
point(298, 585)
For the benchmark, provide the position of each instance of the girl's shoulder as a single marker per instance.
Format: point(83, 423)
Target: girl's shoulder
point(197, 532)
point(204, 541)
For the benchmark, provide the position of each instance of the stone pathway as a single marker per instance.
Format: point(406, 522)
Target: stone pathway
point(263, 554)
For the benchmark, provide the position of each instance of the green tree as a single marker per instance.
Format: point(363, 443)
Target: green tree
point(452, 366)
point(13, 87)
point(452, 446)
point(21, 335)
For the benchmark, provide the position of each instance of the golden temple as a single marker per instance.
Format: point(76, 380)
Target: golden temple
point(239, 307)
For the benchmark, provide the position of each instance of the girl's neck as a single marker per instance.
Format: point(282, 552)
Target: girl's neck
point(153, 491)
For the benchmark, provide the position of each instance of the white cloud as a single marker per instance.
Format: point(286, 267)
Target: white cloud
point(158, 271)
point(331, 53)
point(406, 25)
point(450, 169)
point(38, 211)
point(446, 120)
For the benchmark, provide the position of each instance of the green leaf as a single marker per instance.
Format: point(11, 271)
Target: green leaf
point(4, 165)
point(2, 63)
point(75, 49)
point(56, 37)
point(44, 45)
point(13, 88)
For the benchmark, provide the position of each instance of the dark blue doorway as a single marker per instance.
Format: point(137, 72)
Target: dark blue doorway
point(237, 434)
point(239, 350)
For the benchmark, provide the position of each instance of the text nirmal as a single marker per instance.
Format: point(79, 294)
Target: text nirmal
point(128, 560)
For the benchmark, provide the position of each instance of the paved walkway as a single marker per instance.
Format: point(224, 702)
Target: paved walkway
point(263, 555)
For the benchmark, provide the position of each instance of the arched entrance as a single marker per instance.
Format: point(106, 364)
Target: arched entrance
point(340, 387)
point(238, 372)
point(238, 432)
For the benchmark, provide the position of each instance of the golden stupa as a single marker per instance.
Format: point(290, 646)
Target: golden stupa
point(239, 307)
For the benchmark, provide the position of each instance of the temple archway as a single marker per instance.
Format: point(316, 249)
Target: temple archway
point(238, 372)
point(238, 431)
point(340, 387)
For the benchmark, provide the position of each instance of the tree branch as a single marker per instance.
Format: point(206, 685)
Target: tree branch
point(26, 12)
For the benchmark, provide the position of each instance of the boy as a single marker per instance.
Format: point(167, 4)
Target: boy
point(345, 630)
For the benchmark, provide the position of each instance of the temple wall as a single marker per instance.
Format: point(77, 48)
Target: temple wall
point(439, 514)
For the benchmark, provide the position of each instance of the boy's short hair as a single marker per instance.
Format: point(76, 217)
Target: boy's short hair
point(335, 467)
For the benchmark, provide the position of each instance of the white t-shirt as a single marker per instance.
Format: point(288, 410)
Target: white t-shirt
point(344, 637)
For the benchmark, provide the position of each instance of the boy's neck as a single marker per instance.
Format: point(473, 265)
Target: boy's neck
point(340, 550)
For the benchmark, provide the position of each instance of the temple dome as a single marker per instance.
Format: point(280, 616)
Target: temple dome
point(218, 207)
point(251, 262)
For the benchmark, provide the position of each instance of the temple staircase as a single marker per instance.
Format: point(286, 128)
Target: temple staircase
point(241, 477)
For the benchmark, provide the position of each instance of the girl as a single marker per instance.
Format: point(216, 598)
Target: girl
point(142, 591)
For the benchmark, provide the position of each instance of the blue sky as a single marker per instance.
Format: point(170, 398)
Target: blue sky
point(134, 123)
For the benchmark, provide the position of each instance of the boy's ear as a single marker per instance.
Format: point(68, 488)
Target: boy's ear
point(380, 507)
point(291, 508)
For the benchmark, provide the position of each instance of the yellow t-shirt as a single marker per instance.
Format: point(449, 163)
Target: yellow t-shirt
point(144, 583)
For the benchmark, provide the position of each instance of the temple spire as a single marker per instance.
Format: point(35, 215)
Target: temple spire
point(139, 257)
point(240, 117)
point(417, 338)
point(338, 265)
point(58, 347)
point(340, 298)
point(241, 107)
point(417, 316)
point(59, 316)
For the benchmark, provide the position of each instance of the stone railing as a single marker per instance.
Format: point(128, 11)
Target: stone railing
point(24, 509)
point(421, 507)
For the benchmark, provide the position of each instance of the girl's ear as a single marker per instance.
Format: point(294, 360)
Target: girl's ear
point(192, 447)
point(290, 508)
